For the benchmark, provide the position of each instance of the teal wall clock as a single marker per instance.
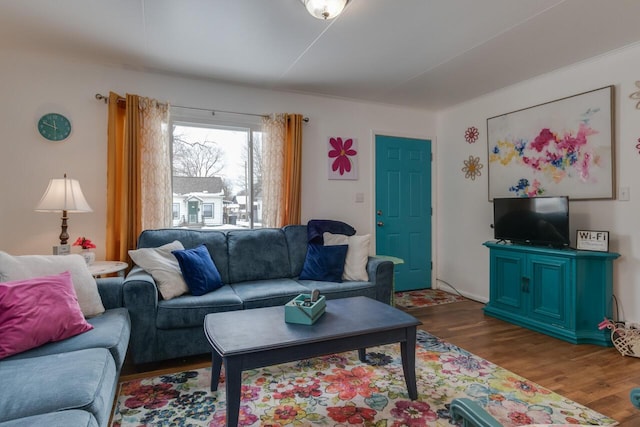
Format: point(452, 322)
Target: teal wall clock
point(54, 127)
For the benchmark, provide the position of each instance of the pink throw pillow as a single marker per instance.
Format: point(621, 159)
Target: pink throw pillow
point(37, 311)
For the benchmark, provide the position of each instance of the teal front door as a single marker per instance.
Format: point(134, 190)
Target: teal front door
point(193, 212)
point(403, 208)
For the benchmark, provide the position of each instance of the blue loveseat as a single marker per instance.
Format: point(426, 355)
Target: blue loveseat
point(71, 382)
point(259, 268)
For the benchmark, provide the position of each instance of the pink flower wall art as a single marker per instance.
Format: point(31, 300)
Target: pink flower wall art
point(342, 160)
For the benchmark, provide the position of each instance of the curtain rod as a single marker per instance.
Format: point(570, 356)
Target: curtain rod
point(101, 97)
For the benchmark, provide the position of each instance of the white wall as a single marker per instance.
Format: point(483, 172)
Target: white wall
point(36, 83)
point(462, 205)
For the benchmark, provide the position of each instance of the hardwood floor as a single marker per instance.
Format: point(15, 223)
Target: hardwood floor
point(594, 376)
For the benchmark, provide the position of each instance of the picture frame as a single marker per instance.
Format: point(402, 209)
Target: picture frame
point(592, 240)
point(342, 158)
point(564, 147)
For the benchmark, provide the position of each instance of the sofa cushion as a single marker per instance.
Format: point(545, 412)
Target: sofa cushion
point(257, 255)
point(324, 263)
point(37, 311)
point(341, 290)
point(355, 265)
point(111, 330)
point(198, 270)
point(216, 242)
point(189, 311)
point(74, 417)
point(163, 267)
point(28, 266)
point(296, 236)
point(83, 379)
point(266, 293)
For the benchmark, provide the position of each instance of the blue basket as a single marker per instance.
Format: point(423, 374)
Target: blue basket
point(295, 312)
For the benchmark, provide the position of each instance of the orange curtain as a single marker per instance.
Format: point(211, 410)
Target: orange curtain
point(138, 171)
point(291, 202)
point(123, 177)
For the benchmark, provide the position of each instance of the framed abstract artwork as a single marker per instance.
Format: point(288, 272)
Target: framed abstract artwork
point(342, 158)
point(560, 148)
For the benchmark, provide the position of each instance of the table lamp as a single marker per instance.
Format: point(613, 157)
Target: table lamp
point(63, 195)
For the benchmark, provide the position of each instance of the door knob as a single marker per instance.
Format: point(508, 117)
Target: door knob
point(380, 223)
point(379, 212)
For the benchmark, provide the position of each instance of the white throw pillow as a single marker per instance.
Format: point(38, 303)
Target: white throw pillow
point(163, 267)
point(355, 265)
point(30, 266)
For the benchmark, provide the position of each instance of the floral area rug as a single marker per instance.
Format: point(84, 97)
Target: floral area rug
point(425, 298)
point(339, 390)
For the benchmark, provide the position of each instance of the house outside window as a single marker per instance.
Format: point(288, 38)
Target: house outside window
point(217, 170)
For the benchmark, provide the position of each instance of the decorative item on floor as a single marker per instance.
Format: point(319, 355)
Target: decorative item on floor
point(63, 195)
point(342, 160)
point(636, 95)
point(86, 245)
point(424, 298)
point(472, 168)
point(565, 145)
point(471, 134)
point(324, 9)
point(339, 390)
point(625, 339)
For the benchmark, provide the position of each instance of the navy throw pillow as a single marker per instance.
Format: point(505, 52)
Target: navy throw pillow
point(324, 263)
point(198, 270)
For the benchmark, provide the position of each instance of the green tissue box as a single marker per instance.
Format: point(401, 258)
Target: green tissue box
point(295, 312)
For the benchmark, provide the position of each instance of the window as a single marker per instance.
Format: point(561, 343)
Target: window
point(207, 210)
point(217, 170)
point(176, 211)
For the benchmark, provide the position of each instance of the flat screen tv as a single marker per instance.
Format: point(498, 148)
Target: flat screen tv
point(542, 221)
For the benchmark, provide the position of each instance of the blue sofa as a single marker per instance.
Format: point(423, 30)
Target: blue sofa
point(259, 268)
point(71, 382)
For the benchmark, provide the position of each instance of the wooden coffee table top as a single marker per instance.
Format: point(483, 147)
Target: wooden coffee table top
point(260, 329)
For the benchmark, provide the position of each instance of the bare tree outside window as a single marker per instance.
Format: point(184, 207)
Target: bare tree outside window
point(196, 158)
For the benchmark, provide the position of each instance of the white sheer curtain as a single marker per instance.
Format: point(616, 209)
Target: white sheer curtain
point(155, 164)
point(273, 146)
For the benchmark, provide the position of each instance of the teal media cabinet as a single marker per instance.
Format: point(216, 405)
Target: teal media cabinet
point(563, 293)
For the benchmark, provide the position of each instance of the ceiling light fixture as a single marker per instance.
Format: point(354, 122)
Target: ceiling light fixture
point(325, 9)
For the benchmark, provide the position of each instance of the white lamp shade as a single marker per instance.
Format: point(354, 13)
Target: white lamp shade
point(325, 9)
point(63, 195)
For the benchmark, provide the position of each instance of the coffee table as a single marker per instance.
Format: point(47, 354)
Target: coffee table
point(249, 339)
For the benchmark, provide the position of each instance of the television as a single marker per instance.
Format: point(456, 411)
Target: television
point(541, 221)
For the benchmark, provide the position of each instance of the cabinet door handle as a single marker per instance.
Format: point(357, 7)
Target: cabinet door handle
point(525, 284)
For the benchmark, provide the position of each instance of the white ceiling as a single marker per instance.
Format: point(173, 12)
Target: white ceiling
point(428, 54)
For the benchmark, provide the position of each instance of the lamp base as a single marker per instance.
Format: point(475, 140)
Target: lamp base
point(62, 250)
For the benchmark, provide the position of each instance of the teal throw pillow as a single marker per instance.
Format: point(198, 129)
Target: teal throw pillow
point(198, 269)
point(324, 263)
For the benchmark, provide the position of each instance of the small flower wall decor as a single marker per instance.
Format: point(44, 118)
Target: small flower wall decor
point(472, 168)
point(638, 146)
point(471, 135)
point(342, 160)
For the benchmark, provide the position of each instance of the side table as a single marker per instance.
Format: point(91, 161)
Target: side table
point(101, 268)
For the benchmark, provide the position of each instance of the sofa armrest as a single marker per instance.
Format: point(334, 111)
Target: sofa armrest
point(380, 273)
point(110, 290)
point(140, 297)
